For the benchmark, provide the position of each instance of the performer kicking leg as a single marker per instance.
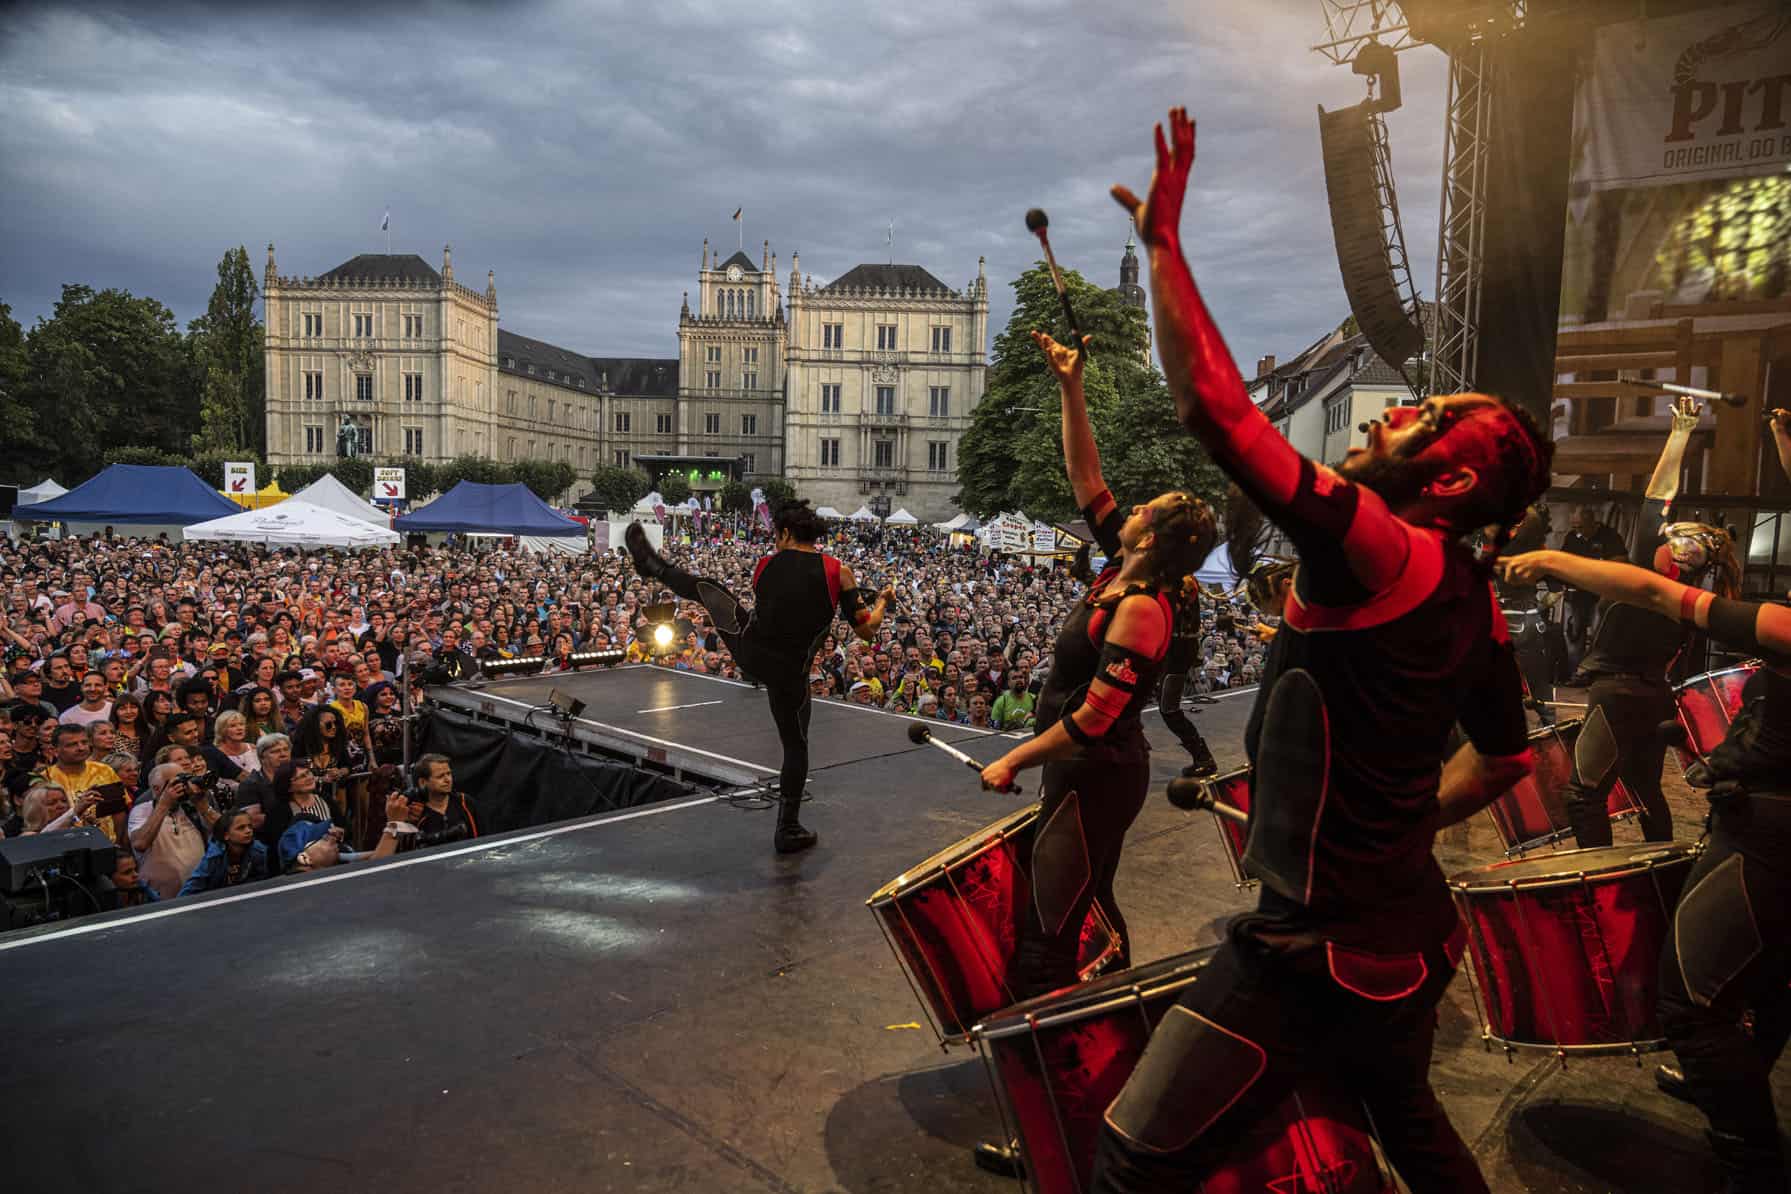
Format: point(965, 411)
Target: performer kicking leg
point(1391, 636)
point(1184, 652)
point(795, 593)
point(1731, 945)
point(1090, 736)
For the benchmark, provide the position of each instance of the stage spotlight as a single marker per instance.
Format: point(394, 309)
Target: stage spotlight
point(662, 617)
point(564, 703)
point(663, 635)
point(521, 665)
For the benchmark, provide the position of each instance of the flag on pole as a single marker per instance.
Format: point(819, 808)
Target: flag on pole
point(737, 212)
point(385, 225)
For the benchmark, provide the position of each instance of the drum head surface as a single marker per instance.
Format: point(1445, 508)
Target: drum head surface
point(965, 847)
point(1089, 995)
point(1568, 864)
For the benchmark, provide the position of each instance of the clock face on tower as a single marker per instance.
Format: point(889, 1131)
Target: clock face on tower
point(734, 274)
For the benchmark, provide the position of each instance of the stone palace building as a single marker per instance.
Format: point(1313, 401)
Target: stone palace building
point(856, 390)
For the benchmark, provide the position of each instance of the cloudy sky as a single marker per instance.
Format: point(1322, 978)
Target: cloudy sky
point(583, 150)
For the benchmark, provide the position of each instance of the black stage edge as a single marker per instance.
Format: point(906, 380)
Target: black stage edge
point(646, 1001)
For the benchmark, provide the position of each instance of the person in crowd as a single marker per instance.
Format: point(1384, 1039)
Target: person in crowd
point(1589, 536)
point(78, 775)
point(169, 825)
point(128, 888)
point(60, 688)
point(1013, 708)
point(230, 754)
point(261, 712)
point(95, 703)
point(233, 858)
point(442, 809)
point(352, 709)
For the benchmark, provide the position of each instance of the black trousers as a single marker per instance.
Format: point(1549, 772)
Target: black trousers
point(1620, 740)
point(1730, 954)
point(1265, 1015)
point(1169, 704)
point(782, 668)
point(1088, 804)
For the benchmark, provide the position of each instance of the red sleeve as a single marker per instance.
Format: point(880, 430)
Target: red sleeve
point(759, 569)
point(832, 567)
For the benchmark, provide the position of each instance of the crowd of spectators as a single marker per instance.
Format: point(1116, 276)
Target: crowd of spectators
point(225, 713)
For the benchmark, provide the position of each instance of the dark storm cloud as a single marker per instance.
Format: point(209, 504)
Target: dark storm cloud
point(584, 151)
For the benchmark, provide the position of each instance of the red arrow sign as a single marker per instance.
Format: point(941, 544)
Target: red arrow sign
point(236, 486)
point(391, 490)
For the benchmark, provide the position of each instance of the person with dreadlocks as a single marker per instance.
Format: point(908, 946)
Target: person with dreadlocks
point(1391, 636)
point(1730, 949)
point(1628, 657)
point(795, 592)
point(1089, 735)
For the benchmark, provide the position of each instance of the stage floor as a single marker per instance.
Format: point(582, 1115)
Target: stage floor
point(647, 1001)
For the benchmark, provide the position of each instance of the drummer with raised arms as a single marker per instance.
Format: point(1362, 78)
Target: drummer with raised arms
point(1090, 737)
point(1730, 951)
point(1391, 636)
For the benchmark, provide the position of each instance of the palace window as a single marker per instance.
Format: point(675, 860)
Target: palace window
point(712, 354)
point(830, 453)
point(622, 421)
point(621, 458)
point(413, 327)
point(936, 455)
point(749, 424)
point(363, 387)
point(942, 339)
point(413, 441)
point(413, 387)
point(883, 453)
point(313, 323)
point(830, 399)
point(746, 463)
point(712, 379)
point(662, 424)
point(886, 337)
point(314, 387)
point(313, 440)
point(363, 325)
point(749, 381)
point(833, 335)
point(712, 424)
point(886, 400)
point(939, 401)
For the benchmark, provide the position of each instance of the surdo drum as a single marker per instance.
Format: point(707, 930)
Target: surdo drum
point(1566, 947)
point(1058, 1062)
point(1533, 811)
point(1233, 788)
point(951, 923)
point(1706, 705)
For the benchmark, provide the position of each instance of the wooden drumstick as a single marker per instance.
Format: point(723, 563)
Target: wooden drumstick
point(920, 735)
point(1187, 793)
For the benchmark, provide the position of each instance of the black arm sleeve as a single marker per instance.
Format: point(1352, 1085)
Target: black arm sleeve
point(1104, 520)
point(1494, 717)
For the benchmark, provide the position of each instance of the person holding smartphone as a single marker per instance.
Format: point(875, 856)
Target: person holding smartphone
point(77, 774)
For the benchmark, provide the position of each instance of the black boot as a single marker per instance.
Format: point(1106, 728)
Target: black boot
point(649, 563)
point(1204, 765)
point(1003, 1160)
point(791, 837)
point(1748, 1168)
point(1671, 1081)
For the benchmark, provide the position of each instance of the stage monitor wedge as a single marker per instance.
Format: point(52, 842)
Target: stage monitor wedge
point(1367, 234)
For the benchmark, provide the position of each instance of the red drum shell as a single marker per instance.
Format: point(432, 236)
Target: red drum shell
point(951, 922)
point(1060, 1060)
point(1533, 811)
point(1707, 704)
point(1566, 947)
point(1233, 788)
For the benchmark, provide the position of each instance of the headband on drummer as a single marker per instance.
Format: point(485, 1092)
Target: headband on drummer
point(1693, 548)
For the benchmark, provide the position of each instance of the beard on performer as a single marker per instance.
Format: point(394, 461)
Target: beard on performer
point(1398, 480)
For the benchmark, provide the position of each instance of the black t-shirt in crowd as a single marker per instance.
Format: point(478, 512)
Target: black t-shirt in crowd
point(63, 696)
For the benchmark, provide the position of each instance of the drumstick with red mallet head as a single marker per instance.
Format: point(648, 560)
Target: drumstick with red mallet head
point(1038, 223)
point(920, 735)
point(1187, 793)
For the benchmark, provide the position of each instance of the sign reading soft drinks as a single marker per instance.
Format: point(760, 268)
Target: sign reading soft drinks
point(239, 478)
point(388, 484)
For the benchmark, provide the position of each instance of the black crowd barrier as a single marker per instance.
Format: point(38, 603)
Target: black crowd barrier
point(517, 781)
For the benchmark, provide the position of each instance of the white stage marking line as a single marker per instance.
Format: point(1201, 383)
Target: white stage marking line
point(351, 870)
point(669, 708)
point(626, 733)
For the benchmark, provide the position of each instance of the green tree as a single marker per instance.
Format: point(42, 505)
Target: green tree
point(294, 477)
point(105, 368)
point(674, 488)
point(226, 344)
point(1011, 457)
point(617, 489)
point(736, 497)
point(777, 491)
point(136, 454)
point(355, 472)
point(17, 447)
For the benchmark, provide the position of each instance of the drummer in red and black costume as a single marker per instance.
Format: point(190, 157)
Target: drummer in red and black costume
point(1104, 669)
point(1391, 635)
point(1730, 951)
point(795, 592)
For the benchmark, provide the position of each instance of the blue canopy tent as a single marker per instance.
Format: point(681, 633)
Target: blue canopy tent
point(143, 499)
point(476, 509)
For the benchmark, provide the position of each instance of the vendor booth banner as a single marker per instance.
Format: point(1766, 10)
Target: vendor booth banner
point(239, 478)
point(388, 484)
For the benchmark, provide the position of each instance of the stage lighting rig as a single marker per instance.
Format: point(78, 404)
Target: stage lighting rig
point(662, 617)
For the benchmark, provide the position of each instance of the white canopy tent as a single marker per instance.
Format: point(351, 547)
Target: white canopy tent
point(43, 491)
point(330, 494)
point(829, 512)
point(902, 518)
point(294, 523)
point(650, 503)
point(1216, 569)
point(964, 523)
point(864, 514)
